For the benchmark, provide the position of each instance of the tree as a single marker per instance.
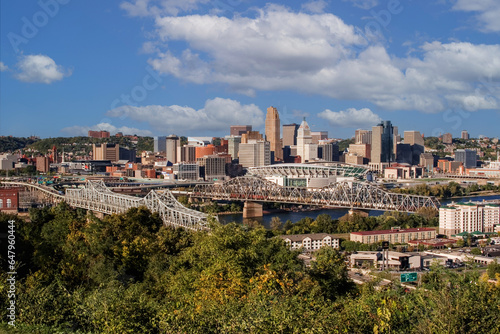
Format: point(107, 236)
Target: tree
point(276, 223)
point(330, 270)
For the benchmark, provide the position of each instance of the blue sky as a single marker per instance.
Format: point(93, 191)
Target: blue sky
point(194, 67)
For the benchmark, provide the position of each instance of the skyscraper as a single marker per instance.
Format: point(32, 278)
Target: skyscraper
point(305, 149)
point(172, 143)
point(363, 137)
point(273, 132)
point(383, 143)
point(416, 142)
point(160, 144)
point(254, 153)
point(465, 135)
point(467, 157)
point(238, 130)
point(290, 134)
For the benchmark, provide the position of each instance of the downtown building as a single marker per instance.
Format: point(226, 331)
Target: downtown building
point(273, 133)
point(468, 217)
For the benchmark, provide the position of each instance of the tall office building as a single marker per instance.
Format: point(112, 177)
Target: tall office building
point(214, 167)
point(273, 132)
point(383, 143)
point(106, 151)
point(187, 153)
point(171, 149)
point(416, 142)
point(447, 138)
point(251, 135)
point(255, 153)
point(467, 157)
point(160, 144)
point(362, 137)
point(233, 146)
point(465, 135)
point(290, 134)
point(238, 130)
point(305, 148)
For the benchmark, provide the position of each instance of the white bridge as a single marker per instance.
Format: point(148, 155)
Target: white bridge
point(95, 196)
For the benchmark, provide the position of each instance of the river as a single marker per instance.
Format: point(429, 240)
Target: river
point(335, 213)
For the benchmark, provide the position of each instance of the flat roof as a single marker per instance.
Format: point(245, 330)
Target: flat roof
point(408, 230)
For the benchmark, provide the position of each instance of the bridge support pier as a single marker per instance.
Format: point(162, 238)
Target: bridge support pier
point(252, 210)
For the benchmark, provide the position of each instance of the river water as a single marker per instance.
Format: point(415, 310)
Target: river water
point(335, 213)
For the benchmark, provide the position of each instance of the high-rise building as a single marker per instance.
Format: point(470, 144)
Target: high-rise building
point(468, 217)
point(255, 153)
point(43, 164)
point(187, 171)
point(363, 137)
point(427, 162)
point(467, 157)
point(305, 149)
point(233, 146)
point(290, 134)
point(465, 135)
point(214, 167)
point(106, 151)
point(416, 141)
point(328, 151)
point(160, 144)
point(171, 149)
point(273, 132)
point(238, 130)
point(318, 135)
point(361, 150)
point(383, 143)
point(188, 153)
point(251, 135)
point(447, 139)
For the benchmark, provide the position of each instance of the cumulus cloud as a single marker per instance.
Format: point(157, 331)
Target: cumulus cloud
point(319, 54)
point(144, 8)
point(40, 69)
point(315, 6)
point(363, 4)
point(3, 67)
point(351, 118)
point(488, 12)
point(217, 115)
point(83, 130)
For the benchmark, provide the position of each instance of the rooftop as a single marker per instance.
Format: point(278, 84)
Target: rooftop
point(300, 237)
point(395, 231)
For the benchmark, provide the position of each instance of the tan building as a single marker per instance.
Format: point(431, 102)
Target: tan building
point(363, 137)
point(447, 138)
point(215, 167)
point(465, 135)
point(394, 235)
point(398, 171)
point(316, 136)
point(361, 150)
point(468, 217)
point(172, 149)
point(427, 162)
point(238, 130)
point(251, 135)
point(106, 151)
point(413, 138)
point(43, 164)
point(353, 159)
point(312, 241)
point(273, 132)
point(254, 153)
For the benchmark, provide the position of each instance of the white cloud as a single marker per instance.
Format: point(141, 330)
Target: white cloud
point(364, 4)
point(217, 115)
point(41, 69)
point(315, 6)
point(144, 8)
point(320, 54)
point(83, 130)
point(351, 118)
point(3, 67)
point(488, 12)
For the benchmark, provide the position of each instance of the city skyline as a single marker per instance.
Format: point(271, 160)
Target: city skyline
point(157, 67)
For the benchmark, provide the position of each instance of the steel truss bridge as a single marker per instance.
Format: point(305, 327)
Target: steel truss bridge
point(95, 196)
point(354, 195)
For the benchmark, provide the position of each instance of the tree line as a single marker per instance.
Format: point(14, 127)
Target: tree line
point(128, 273)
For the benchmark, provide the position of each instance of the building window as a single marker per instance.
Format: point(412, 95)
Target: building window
point(1, 203)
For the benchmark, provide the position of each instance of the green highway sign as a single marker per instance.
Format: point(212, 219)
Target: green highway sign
point(409, 277)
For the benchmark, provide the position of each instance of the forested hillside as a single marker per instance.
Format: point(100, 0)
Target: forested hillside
point(129, 274)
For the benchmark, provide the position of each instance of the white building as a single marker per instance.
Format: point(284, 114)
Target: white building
point(305, 148)
point(254, 153)
point(310, 241)
point(468, 217)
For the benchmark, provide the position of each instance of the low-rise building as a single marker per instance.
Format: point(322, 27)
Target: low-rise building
point(394, 235)
point(9, 199)
point(312, 241)
point(394, 260)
